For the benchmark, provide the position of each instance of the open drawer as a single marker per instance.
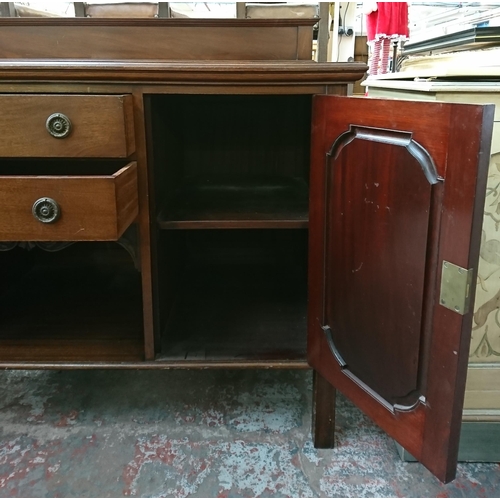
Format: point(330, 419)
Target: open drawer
point(97, 206)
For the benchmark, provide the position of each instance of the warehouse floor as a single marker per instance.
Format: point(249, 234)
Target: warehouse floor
point(205, 433)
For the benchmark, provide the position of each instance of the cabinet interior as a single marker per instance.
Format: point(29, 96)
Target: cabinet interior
point(231, 160)
point(80, 303)
point(231, 191)
point(231, 176)
point(233, 294)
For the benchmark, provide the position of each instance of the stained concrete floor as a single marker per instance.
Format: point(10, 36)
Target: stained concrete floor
point(212, 433)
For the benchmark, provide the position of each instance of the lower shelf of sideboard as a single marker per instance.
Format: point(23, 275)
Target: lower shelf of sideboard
point(63, 307)
point(81, 307)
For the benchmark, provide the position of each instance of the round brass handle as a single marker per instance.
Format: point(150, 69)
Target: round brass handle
point(58, 125)
point(46, 210)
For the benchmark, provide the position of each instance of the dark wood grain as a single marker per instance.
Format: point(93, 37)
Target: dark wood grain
point(160, 364)
point(375, 261)
point(147, 240)
point(154, 39)
point(101, 126)
point(445, 343)
point(98, 207)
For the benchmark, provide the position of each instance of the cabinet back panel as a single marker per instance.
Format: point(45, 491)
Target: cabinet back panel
point(213, 135)
point(241, 296)
point(246, 247)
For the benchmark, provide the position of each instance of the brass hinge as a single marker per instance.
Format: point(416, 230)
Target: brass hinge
point(455, 288)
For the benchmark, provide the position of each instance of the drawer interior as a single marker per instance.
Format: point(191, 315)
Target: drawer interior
point(59, 167)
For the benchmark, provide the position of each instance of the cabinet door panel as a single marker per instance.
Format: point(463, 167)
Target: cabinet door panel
point(396, 189)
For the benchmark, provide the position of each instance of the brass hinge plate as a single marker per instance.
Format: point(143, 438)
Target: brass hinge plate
point(455, 288)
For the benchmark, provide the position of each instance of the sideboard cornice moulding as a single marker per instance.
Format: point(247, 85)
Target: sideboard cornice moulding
point(144, 71)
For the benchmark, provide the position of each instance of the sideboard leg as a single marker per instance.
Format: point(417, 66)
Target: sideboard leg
point(323, 415)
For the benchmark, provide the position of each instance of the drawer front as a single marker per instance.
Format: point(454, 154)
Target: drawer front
point(64, 208)
point(72, 126)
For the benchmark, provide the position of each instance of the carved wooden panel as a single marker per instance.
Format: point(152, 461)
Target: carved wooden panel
point(379, 197)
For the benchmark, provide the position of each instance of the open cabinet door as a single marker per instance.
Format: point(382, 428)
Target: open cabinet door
point(397, 196)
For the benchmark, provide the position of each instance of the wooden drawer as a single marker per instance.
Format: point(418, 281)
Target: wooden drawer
point(99, 126)
point(89, 207)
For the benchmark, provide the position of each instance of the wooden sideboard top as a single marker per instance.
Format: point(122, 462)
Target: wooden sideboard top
point(239, 51)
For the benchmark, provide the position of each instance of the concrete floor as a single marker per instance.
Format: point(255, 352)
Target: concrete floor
point(212, 433)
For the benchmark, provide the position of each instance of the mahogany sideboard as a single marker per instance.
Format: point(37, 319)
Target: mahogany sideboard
point(165, 205)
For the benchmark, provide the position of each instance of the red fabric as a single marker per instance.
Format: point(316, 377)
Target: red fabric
point(390, 19)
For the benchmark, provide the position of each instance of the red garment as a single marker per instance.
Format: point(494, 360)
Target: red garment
point(389, 20)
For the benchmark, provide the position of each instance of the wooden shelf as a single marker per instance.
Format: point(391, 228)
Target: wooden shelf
point(228, 202)
point(237, 313)
point(73, 313)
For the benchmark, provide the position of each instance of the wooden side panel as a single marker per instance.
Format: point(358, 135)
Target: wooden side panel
point(147, 237)
point(101, 126)
point(460, 236)
point(304, 43)
point(126, 193)
point(376, 330)
point(128, 120)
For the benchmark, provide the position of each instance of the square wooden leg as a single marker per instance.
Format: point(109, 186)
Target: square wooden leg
point(323, 418)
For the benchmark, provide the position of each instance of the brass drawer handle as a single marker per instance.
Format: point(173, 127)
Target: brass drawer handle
point(46, 210)
point(58, 125)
